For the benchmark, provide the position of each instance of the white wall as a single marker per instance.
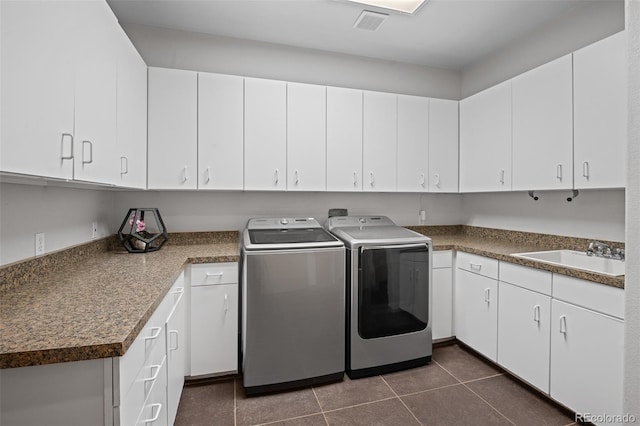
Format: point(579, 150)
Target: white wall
point(65, 215)
point(632, 277)
point(579, 28)
point(201, 52)
point(221, 211)
point(595, 214)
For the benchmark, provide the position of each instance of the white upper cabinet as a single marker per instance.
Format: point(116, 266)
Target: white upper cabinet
point(543, 127)
point(485, 140)
point(220, 131)
point(306, 137)
point(38, 68)
point(173, 143)
point(600, 114)
point(131, 116)
point(344, 139)
point(379, 141)
point(265, 134)
point(413, 143)
point(95, 147)
point(443, 145)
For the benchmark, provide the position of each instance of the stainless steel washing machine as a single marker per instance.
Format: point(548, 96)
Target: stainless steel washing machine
point(293, 303)
point(388, 275)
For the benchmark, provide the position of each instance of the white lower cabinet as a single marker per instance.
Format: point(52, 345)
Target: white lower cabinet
point(442, 295)
point(523, 334)
point(214, 319)
point(587, 349)
point(176, 340)
point(476, 307)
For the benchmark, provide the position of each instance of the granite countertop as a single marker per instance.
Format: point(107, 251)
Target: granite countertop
point(77, 306)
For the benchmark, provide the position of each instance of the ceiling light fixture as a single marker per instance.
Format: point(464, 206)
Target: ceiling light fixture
point(404, 6)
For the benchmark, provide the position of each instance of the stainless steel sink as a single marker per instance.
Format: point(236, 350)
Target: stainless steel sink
point(577, 260)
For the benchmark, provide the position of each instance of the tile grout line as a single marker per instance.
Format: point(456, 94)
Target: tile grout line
point(360, 405)
point(319, 405)
point(481, 398)
point(401, 401)
point(286, 420)
point(487, 402)
point(482, 378)
point(430, 390)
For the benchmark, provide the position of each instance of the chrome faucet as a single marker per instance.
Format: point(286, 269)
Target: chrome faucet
point(596, 248)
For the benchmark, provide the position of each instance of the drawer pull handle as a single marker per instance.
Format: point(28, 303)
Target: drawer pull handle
point(355, 178)
point(422, 180)
point(502, 177)
point(157, 416)
point(437, 176)
point(124, 170)
point(226, 303)
point(559, 172)
point(371, 179)
point(563, 324)
point(477, 266)
point(208, 178)
point(179, 290)
point(536, 314)
point(487, 295)
point(156, 333)
point(296, 179)
point(215, 274)
point(174, 333)
point(155, 375)
point(277, 177)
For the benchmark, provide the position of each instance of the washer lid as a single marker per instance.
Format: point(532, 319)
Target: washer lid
point(378, 235)
point(287, 233)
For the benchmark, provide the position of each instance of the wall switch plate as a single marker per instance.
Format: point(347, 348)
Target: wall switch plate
point(94, 230)
point(423, 217)
point(40, 244)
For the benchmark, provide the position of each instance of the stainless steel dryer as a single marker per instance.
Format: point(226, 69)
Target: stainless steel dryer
point(388, 295)
point(293, 303)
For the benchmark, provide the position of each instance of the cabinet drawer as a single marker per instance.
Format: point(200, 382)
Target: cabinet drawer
point(442, 259)
point(146, 380)
point(151, 336)
point(214, 273)
point(598, 297)
point(477, 264)
point(154, 411)
point(529, 278)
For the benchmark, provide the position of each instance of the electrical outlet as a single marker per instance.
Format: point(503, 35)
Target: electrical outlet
point(94, 230)
point(423, 217)
point(40, 244)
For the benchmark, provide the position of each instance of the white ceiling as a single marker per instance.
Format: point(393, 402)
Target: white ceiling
point(448, 34)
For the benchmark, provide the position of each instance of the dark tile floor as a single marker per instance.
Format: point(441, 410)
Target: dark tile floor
point(456, 388)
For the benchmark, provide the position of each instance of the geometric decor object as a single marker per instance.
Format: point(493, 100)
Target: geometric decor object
point(143, 230)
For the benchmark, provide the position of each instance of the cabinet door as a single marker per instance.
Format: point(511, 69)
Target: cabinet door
point(443, 145)
point(379, 141)
point(95, 148)
point(476, 312)
point(265, 134)
point(214, 329)
point(600, 113)
point(131, 115)
point(173, 143)
point(485, 140)
point(37, 87)
point(413, 143)
point(306, 137)
point(344, 139)
point(524, 334)
point(176, 348)
point(442, 305)
point(220, 131)
point(543, 127)
point(586, 359)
